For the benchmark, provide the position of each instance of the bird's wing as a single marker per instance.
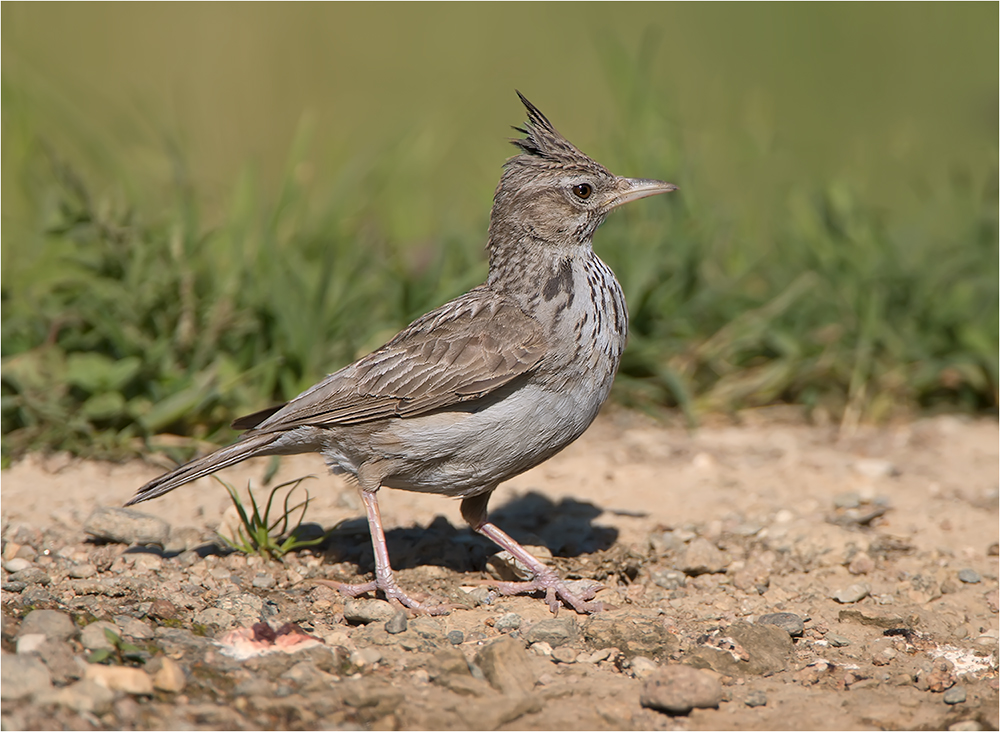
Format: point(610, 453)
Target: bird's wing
point(464, 350)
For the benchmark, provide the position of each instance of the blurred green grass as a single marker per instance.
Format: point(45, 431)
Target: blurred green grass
point(139, 299)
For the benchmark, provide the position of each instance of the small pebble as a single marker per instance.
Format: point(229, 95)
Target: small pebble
point(789, 622)
point(642, 668)
point(969, 576)
point(82, 571)
point(397, 623)
point(31, 576)
point(564, 654)
point(966, 725)
point(847, 500)
point(668, 579)
point(30, 643)
point(541, 648)
point(16, 564)
point(837, 641)
point(456, 637)
point(121, 678)
point(508, 622)
point(263, 580)
point(361, 610)
point(852, 593)
point(170, 677)
point(126, 526)
point(554, 631)
point(756, 699)
point(861, 563)
point(93, 637)
point(50, 623)
point(482, 595)
point(955, 695)
point(678, 689)
point(366, 657)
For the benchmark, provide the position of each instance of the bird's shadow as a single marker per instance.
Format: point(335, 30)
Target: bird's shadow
point(566, 528)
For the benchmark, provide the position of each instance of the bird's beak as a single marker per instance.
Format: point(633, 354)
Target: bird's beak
point(632, 189)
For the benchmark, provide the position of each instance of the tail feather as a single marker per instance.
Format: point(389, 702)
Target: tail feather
point(248, 447)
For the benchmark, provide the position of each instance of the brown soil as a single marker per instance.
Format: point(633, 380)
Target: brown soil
point(783, 515)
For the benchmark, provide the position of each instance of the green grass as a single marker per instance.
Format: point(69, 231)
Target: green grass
point(132, 309)
point(264, 535)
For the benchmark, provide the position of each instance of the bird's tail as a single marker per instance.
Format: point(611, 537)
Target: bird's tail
point(248, 447)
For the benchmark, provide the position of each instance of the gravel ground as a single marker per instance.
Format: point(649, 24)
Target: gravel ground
point(766, 574)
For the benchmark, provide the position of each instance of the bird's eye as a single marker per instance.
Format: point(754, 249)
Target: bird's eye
point(583, 190)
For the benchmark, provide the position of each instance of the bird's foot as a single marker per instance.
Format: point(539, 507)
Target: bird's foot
point(392, 593)
point(576, 593)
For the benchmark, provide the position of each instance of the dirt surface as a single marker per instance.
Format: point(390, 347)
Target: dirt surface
point(880, 548)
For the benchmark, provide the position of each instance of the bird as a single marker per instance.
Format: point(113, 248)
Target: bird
point(485, 387)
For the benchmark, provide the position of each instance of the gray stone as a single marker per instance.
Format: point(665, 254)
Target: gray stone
point(63, 663)
point(215, 616)
point(631, 633)
point(507, 666)
point(17, 564)
point(183, 539)
point(53, 624)
point(955, 695)
point(677, 689)
point(565, 654)
point(427, 627)
point(448, 661)
point(30, 643)
point(126, 526)
point(875, 468)
point(366, 656)
point(364, 611)
point(642, 668)
point(789, 622)
point(397, 623)
point(263, 580)
point(837, 641)
point(82, 571)
point(554, 631)
point(969, 576)
point(121, 678)
point(22, 677)
point(133, 627)
point(85, 696)
point(668, 579)
point(702, 557)
point(852, 593)
point(745, 649)
point(482, 595)
point(31, 576)
point(966, 725)
point(508, 622)
point(756, 699)
point(849, 499)
point(456, 637)
point(94, 638)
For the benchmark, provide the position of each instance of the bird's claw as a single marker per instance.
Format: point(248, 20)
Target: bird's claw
point(392, 593)
point(576, 594)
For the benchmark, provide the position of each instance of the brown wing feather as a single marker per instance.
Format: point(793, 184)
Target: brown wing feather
point(462, 351)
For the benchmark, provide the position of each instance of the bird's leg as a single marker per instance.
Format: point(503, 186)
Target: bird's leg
point(543, 578)
point(384, 579)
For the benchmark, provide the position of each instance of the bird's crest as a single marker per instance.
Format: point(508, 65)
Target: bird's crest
point(544, 144)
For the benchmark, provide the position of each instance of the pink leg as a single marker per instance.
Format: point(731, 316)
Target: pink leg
point(384, 579)
point(543, 578)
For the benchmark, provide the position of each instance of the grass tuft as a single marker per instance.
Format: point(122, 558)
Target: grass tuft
point(259, 534)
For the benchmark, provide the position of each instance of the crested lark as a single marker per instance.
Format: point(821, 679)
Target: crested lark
point(486, 386)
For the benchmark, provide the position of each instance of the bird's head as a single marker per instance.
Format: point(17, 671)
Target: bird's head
point(554, 194)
